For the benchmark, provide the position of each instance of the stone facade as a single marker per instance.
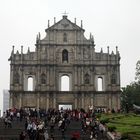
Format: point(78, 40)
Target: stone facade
point(65, 52)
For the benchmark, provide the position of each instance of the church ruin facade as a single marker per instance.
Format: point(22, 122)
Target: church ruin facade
point(93, 77)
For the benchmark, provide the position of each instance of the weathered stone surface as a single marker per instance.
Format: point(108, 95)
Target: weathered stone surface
point(65, 51)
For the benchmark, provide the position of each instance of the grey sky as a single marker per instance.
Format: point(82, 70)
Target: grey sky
point(112, 22)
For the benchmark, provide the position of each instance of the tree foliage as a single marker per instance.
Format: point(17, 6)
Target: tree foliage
point(137, 77)
point(131, 93)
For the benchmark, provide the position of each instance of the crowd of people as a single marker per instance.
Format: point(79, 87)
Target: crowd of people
point(41, 124)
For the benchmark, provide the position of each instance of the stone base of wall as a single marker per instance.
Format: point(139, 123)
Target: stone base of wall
point(80, 99)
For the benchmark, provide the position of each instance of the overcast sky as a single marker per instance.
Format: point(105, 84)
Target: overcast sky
point(112, 22)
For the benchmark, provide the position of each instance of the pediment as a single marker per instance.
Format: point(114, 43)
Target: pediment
point(64, 24)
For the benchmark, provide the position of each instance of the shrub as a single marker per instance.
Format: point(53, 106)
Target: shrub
point(104, 121)
point(111, 128)
point(98, 115)
point(125, 136)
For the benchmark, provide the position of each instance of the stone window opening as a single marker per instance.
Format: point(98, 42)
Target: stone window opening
point(65, 56)
point(65, 37)
point(113, 79)
point(30, 83)
point(43, 78)
point(65, 83)
point(100, 84)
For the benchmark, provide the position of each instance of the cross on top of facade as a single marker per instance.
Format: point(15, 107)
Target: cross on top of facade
point(65, 13)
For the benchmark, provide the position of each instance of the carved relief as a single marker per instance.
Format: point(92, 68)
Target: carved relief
point(16, 78)
point(78, 53)
point(86, 78)
point(43, 78)
point(113, 79)
point(65, 37)
point(113, 75)
point(86, 53)
point(64, 50)
point(65, 25)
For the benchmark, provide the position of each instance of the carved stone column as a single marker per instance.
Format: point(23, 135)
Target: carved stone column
point(75, 101)
point(20, 100)
point(38, 78)
point(54, 77)
point(47, 103)
point(38, 97)
point(83, 100)
point(54, 100)
point(11, 77)
point(11, 100)
point(75, 75)
point(82, 75)
point(51, 77)
point(48, 77)
point(91, 100)
point(79, 77)
point(109, 101)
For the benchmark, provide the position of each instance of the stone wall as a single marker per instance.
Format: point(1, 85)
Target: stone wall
point(65, 51)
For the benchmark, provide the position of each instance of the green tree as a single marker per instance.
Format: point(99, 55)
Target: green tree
point(137, 74)
point(131, 93)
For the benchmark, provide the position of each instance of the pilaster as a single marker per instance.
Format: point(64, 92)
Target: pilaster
point(54, 100)
point(38, 98)
point(75, 101)
point(83, 105)
point(11, 100)
point(20, 100)
point(47, 101)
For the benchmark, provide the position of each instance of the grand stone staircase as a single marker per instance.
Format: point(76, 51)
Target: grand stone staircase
point(11, 133)
point(17, 127)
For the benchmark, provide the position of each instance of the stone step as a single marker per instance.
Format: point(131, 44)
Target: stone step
point(14, 132)
point(10, 131)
